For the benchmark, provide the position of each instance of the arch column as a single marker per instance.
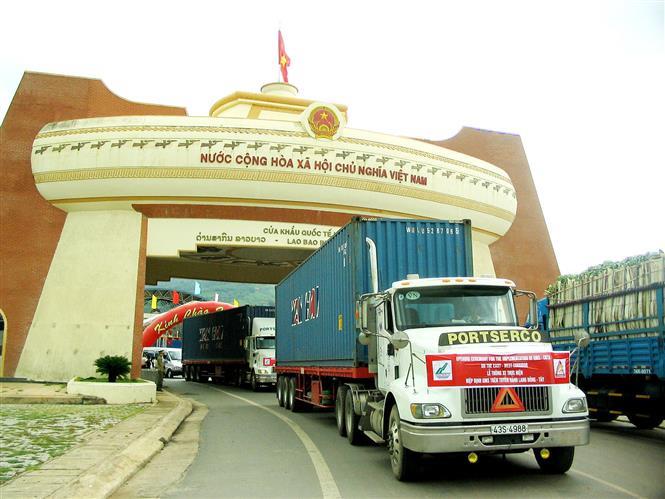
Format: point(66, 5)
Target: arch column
point(85, 311)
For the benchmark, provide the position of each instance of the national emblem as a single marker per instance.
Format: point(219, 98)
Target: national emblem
point(324, 122)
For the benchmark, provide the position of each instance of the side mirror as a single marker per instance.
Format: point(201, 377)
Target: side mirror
point(364, 307)
point(533, 312)
point(399, 340)
point(364, 312)
point(532, 318)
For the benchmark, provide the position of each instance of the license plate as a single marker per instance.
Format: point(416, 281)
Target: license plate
point(508, 429)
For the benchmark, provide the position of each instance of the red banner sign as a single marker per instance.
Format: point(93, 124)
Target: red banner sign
point(165, 321)
point(546, 368)
point(267, 361)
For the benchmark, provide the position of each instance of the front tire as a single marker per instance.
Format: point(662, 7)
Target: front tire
point(560, 460)
point(169, 373)
point(342, 391)
point(403, 461)
point(252, 382)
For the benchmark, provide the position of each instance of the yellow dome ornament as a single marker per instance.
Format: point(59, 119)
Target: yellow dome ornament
point(323, 121)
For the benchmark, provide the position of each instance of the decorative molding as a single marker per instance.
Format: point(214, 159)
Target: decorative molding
point(210, 146)
point(258, 131)
point(270, 176)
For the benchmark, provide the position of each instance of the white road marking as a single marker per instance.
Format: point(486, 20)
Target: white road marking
point(608, 484)
point(326, 480)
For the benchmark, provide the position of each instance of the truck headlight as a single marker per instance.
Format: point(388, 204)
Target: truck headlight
point(575, 405)
point(426, 411)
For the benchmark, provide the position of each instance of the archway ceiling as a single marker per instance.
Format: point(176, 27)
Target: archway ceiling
point(226, 263)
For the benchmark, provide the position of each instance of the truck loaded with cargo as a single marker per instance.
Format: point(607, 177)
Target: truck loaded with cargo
point(386, 325)
point(619, 308)
point(231, 346)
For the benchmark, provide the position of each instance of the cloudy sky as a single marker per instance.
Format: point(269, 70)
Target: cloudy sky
point(581, 82)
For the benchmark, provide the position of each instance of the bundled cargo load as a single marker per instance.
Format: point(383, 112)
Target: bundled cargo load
point(622, 296)
point(618, 308)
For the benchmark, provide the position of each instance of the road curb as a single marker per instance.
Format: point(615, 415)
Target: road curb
point(105, 479)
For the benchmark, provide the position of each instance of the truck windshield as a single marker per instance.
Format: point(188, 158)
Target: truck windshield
point(265, 342)
point(454, 305)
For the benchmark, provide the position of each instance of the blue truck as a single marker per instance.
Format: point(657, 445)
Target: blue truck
point(386, 325)
point(622, 368)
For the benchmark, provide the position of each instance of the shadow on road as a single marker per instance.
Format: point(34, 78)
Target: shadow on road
point(625, 429)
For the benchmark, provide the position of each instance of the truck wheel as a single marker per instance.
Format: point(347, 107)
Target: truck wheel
point(353, 434)
point(279, 392)
point(188, 376)
point(339, 409)
point(559, 461)
point(252, 382)
point(402, 460)
point(202, 378)
point(287, 393)
point(285, 390)
point(645, 421)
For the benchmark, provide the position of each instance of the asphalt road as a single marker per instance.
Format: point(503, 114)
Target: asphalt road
point(250, 447)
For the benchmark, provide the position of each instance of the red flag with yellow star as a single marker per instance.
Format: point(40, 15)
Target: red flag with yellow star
point(284, 60)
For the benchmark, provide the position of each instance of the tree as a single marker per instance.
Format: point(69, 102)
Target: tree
point(113, 366)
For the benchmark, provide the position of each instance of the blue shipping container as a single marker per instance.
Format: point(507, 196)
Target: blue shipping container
point(218, 336)
point(315, 304)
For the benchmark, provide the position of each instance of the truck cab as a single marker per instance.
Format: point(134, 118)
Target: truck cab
point(260, 351)
point(454, 372)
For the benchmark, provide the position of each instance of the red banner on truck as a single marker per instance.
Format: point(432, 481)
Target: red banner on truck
point(519, 369)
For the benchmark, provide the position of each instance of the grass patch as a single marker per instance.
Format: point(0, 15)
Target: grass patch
point(33, 434)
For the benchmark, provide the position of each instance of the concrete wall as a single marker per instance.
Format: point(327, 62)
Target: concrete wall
point(30, 225)
point(85, 311)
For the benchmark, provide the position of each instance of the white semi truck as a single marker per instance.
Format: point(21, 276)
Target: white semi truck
point(260, 354)
point(455, 373)
point(424, 365)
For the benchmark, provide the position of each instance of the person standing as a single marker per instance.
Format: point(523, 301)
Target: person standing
point(160, 370)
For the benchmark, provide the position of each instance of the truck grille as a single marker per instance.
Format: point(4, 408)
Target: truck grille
point(536, 400)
